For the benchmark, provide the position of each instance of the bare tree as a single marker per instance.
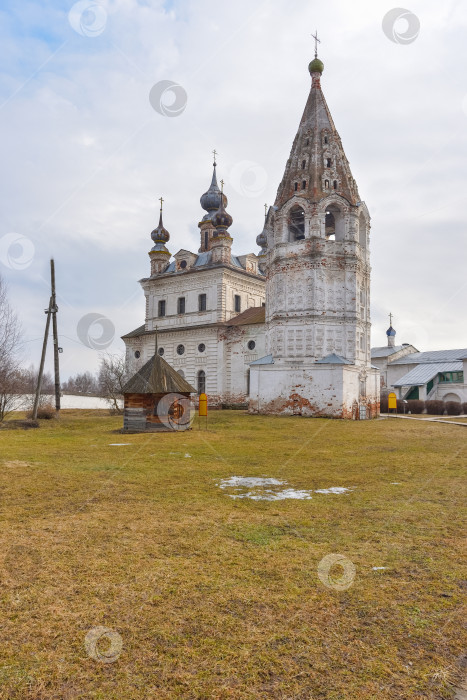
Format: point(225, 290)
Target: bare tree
point(10, 342)
point(112, 378)
point(84, 383)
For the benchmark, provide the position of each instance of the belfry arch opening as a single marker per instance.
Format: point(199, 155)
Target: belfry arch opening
point(296, 224)
point(334, 223)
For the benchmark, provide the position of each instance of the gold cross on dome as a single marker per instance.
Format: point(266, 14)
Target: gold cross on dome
point(222, 186)
point(315, 37)
point(161, 201)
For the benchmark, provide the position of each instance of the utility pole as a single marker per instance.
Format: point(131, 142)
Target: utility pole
point(51, 311)
point(55, 336)
point(41, 368)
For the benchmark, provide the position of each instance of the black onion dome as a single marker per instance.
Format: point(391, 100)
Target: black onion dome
point(221, 219)
point(211, 200)
point(160, 234)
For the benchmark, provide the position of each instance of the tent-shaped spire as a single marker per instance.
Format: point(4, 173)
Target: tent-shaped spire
point(157, 377)
point(317, 165)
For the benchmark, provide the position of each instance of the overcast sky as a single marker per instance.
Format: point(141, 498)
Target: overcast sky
point(85, 155)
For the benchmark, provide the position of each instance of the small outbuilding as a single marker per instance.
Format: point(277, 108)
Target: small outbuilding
point(157, 399)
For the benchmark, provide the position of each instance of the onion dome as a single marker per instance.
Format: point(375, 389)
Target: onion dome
point(211, 200)
point(160, 234)
point(390, 332)
point(221, 219)
point(316, 66)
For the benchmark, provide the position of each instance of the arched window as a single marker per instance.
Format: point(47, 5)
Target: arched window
point(334, 223)
point(296, 224)
point(206, 240)
point(296, 186)
point(328, 163)
point(326, 184)
point(335, 184)
point(304, 185)
point(307, 143)
point(303, 164)
point(201, 382)
point(325, 139)
point(181, 373)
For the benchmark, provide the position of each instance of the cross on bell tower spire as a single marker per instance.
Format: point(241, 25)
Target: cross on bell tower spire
point(317, 41)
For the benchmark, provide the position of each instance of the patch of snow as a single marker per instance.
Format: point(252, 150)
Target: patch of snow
point(187, 455)
point(268, 495)
point(249, 482)
point(379, 568)
point(334, 489)
point(395, 483)
point(118, 444)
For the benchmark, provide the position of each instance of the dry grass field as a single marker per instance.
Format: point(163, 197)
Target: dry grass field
point(208, 596)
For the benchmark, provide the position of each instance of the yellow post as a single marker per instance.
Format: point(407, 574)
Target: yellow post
point(203, 407)
point(392, 401)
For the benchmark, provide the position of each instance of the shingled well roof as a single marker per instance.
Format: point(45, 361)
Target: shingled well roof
point(157, 377)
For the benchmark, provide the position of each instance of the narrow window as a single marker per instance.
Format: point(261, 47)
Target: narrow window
point(326, 184)
point(248, 382)
point(303, 164)
point(161, 309)
point(304, 185)
point(202, 302)
point(335, 184)
point(328, 163)
point(238, 303)
point(307, 142)
point(181, 305)
point(325, 139)
point(296, 186)
point(206, 240)
point(201, 382)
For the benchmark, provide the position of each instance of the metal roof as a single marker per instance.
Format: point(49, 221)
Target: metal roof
point(134, 334)
point(333, 359)
point(157, 377)
point(384, 351)
point(431, 356)
point(266, 360)
point(255, 314)
point(421, 375)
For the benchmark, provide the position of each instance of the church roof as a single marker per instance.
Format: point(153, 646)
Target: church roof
point(266, 360)
point(432, 356)
point(333, 359)
point(419, 376)
point(318, 146)
point(157, 377)
point(256, 314)
point(384, 351)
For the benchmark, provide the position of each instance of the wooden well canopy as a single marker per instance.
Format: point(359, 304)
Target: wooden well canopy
point(157, 398)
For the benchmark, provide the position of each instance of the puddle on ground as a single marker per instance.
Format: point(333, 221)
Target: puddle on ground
point(259, 489)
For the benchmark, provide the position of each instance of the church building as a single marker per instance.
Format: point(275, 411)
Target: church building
point(286, 331)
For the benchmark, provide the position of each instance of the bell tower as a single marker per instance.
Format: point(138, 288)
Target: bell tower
point(315, 246)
